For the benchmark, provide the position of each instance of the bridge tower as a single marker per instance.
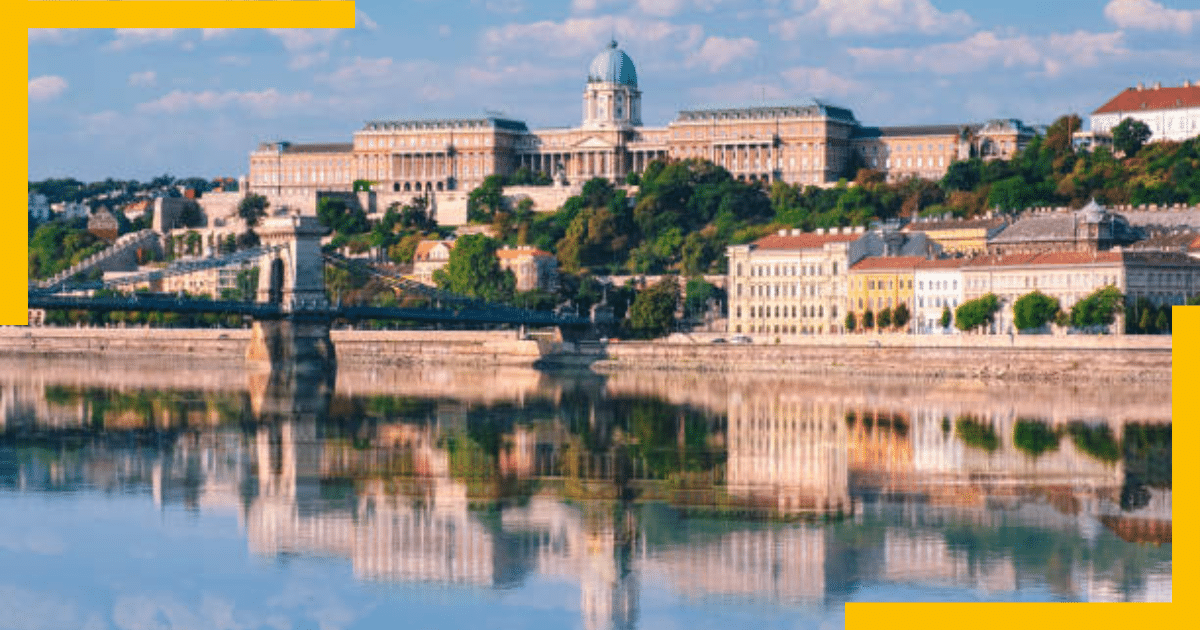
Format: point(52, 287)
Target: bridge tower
point(295, 344)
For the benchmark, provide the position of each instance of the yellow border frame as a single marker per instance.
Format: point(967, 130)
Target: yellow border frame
point(94, 14)
point(310, 14)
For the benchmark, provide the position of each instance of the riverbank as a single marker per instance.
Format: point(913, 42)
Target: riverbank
point(1023, 358)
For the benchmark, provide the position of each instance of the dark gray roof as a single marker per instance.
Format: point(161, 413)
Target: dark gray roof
point(911, 130)
point(809, 107)
point(323, 147)
point(1055, 226)
point(446, 123)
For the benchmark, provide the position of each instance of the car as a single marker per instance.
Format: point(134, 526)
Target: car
point(718, 340)
point(740, 339)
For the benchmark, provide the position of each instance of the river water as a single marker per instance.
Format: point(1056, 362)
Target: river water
point(153, 495)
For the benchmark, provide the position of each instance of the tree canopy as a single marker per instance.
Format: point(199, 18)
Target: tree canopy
point(975, 313)
point(473, 270)
point(1034, 310)
point(1130, 135)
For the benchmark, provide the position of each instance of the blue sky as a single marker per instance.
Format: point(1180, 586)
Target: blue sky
point(137, 103)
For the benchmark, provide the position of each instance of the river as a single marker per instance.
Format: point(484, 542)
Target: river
point(199, 495)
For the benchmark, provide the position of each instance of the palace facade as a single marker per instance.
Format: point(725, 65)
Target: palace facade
point(805, 142)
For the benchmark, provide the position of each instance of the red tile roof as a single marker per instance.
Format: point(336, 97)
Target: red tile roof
point(808, 240)
point(1047, 258)
point(872, 263)
point(1133, 99)
point(941, 263)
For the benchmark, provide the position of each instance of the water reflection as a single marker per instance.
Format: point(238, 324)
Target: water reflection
point(793, 493)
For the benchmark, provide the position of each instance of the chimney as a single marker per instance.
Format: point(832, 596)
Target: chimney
point(1187, 83)
point(1140, 87)
point(820, 231)
point(783, 232)
point(797, 231)
point(1157, 84)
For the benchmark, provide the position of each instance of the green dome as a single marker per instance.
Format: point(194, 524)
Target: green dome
point(612, 66)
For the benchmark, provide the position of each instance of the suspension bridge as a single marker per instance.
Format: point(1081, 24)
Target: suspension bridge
point(291, 312)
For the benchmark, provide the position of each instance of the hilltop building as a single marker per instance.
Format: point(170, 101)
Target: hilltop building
point(803, 142)
point(1172, 113)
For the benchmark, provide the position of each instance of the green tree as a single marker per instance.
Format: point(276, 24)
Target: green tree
point(699, 291)
point(975, 432)
point(975, 313)
point(947, 318)
point(252, 208)
point(1146, 323)
point(342, 217)
point(474, 270)
point(486, 200)
point(192, 215)
point(868, 320)
point(653, 311)
point(1034, 310)
point(900, 316)
point(884, 320)
point(1034, 437)
point(851, 321)
point(1097, 309)
point(1163, 321)
point(1130, 135)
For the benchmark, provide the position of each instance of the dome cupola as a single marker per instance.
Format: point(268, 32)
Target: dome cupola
point(612, 65)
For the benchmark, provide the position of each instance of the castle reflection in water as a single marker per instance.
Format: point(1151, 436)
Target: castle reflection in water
point(769, 490)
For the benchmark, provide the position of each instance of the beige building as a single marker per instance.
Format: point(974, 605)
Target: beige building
point(805, 142)
point(532, 267)
point(796, 283)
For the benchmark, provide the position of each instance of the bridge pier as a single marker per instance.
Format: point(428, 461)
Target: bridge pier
point(292, 346)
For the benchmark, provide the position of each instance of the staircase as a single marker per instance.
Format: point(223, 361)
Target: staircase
point(120, 256)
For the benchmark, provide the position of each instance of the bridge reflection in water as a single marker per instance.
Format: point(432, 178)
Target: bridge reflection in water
point(803, 493)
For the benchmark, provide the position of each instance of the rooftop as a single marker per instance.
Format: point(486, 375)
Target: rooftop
point(954, 224)
point(884, 263)
point(319, 147)
point(804, 240)
point(488, 122)
point(1138, 98)
point(785, 109)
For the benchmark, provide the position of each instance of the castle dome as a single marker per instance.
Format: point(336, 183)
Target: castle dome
point(612, 65)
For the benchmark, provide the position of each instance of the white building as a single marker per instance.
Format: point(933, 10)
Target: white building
point(39, 207)
point(937, 285)
point(1172, 113)
point(69, 210)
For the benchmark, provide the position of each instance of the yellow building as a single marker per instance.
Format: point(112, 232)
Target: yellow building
point(880, 282)
point(959, 236)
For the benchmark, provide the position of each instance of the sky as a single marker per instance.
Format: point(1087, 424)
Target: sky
point(136, 103)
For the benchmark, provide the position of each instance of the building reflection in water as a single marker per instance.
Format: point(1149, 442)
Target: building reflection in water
point(909, 489)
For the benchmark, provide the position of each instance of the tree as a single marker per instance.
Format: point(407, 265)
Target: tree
point(947, 318)
point(900, 316)
point(1163, 321)
point(1034, 310)
point(474, 270)
point(253, 207)
point(191, 216)
point(884, 320)
point(699, 292)
point(343, 218)
point(868, 321)
point(1130, 135)
point(653, 311)
point(486, 200)
point(1097, 309)
point(851, 321)
point(975, 313)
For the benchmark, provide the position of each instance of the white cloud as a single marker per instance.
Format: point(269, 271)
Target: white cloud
point(820, 82)
point(1150, 15)
point(657, 8)
point(208, 34)
point(580, 36)
point(234, 60)
point(719, 52)
point(301, 39)
point(132, 37)
point(1050, 54)
point(143, 78)
point(872, 17)
point(362, 20)
point(307, 60)
point(51, 35)
point(45, 88)
point(504, 6)
point(266, 103)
